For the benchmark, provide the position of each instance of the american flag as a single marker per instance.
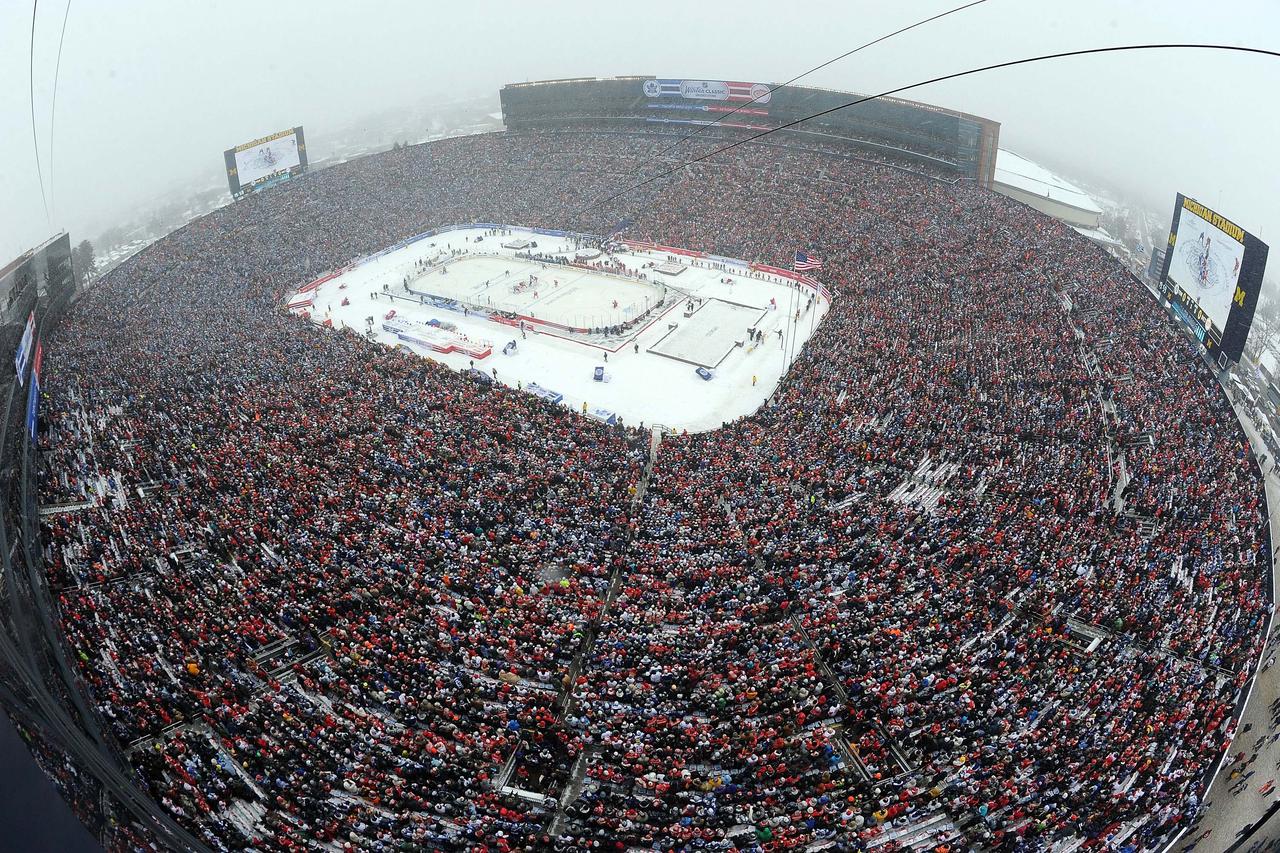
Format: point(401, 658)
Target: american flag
point(806, 262)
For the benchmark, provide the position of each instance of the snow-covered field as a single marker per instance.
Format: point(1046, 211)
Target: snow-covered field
point(573, 319)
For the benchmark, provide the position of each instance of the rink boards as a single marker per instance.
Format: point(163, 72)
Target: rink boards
point(648, 373)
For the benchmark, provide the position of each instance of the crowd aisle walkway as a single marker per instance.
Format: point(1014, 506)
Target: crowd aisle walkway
point(1238, 800)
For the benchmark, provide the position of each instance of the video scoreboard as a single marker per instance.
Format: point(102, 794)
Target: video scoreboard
point(257, 164)
point(1212, 276)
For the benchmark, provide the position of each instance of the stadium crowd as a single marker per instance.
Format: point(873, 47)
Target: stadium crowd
point(987, 571)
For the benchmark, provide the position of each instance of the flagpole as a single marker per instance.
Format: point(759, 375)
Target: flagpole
point(791, 318)
point(817, 300)
point(785, 341)
point(808, 281)
point(788, 323)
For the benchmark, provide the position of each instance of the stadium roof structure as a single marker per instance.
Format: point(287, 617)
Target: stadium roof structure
point(1099, 235)
point(28, 255)
point(1031, 183)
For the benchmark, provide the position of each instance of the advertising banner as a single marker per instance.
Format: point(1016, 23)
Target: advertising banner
point(24, 349)
point(708, 90)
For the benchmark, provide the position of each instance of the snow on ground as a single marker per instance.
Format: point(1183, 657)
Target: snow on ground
point(699, 315)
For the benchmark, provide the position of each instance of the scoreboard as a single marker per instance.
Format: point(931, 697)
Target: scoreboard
point(1212, 276)
point(262, 162)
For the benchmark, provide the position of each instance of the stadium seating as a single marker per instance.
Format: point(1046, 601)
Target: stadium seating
point(985, 572)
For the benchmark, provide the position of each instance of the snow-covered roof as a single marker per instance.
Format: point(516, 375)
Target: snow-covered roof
point(1021, 173)
point(1098, 236)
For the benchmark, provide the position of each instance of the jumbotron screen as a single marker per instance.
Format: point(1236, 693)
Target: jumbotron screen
point(253, 164)
point(1212, 275)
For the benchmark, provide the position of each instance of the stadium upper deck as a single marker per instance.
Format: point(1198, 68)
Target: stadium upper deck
point(958, 144)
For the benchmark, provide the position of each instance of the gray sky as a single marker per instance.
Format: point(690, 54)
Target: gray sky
point(152, 91)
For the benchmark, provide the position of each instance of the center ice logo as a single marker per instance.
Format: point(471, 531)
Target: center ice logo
point(706, 90)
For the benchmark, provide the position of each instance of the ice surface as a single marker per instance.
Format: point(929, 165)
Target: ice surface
point(642, 386)
point(565, 295)
point(710, 335)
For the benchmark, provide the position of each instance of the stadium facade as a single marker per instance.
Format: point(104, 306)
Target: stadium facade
point(960, 145)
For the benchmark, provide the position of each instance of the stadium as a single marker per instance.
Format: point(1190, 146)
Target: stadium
point(812, 497)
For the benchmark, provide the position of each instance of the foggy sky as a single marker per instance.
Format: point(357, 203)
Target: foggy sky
point(152, 91)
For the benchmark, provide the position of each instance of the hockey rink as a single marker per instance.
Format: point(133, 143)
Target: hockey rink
point(636, 385)
point(710, 336)
point(561, 294)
